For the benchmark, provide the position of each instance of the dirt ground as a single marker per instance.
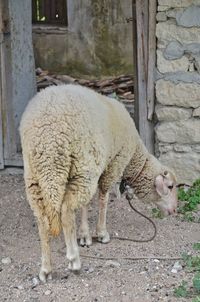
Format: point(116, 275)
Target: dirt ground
point(100, 280)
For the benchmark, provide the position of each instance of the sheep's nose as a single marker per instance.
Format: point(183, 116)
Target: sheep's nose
point(171, 211)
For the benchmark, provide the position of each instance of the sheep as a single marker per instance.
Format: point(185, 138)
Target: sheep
point(74, 141)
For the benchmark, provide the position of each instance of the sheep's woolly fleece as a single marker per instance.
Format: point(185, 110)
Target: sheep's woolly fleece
point(73, 140)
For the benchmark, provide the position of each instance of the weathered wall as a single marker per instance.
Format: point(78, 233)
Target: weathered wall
point(178, 87)
point(97, 41)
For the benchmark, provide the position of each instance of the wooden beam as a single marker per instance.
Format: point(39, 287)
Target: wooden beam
point(151, 59)
point(141, 29)
point(1, 87)
point(9, 146)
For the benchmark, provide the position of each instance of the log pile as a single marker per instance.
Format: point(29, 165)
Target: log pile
point(120, 87)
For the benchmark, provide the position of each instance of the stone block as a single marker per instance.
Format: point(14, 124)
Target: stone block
point(182, 148)
point(171, 13)
point(196, 148)
point(170, 31)
point(178, 3)
point(164, 148)
point(193, 48)
point(164, 65)
point(183, 76)
point(189, 17)
point(169, 114)
point(185, 165)
point(161, 17)
point(182, 94)
point(196, 112)
point(181, 132)
point(162, 8)
point(174, 50)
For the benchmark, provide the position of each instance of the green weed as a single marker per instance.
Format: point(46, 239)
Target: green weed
point(189, 200)
point(181, 290)
point(196, 282)
point(156, 213)
point(192, 264)
point(196, 246)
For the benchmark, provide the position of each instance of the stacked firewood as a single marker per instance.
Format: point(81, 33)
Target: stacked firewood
point(121, 87)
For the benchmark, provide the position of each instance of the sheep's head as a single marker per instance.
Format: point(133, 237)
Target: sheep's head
point(151, 182)
point(160, 190)
point(165, 186)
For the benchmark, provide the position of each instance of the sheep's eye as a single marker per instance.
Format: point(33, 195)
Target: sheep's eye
point(170, 187)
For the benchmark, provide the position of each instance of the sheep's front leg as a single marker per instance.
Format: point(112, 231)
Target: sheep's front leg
point(69, 229)
point(102, 233)
point(84, 233)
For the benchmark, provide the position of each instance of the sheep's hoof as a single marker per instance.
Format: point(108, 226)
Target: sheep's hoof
point(75, 266)
point(77, 271)
point(86, 241)
point(44, 276)
point(104, 238)
point(71, 268)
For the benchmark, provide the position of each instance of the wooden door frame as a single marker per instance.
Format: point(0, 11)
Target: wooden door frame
point(1, 87)
point(144, 46)
point(10, 156)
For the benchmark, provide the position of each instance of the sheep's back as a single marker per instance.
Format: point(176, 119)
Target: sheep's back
point(79, 117)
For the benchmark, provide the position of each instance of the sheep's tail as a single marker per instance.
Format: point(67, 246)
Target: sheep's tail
point(53, 195)
point(46, 202)
point(54, 220)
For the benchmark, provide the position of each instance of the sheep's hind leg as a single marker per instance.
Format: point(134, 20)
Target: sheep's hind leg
point(45, 271)
point(102, 233)
point(35, 199)
point(84, 233)
point(77, 194)
point(69, 229)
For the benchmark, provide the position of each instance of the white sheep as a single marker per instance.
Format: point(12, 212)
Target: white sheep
point(75, 140)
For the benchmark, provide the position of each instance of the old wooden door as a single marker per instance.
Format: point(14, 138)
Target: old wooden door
point(17, 83)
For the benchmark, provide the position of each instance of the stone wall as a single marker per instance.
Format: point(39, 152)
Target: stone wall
point(178, 87)
point(96, 42)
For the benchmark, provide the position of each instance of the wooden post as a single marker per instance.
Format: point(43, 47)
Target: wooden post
point(1, 86)
point(144, 66)
point(151, 58)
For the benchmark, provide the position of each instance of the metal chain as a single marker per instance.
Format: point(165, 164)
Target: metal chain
point(129, 197)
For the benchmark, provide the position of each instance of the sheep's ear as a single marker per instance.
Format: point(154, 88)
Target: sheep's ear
point(161, 187)
point(165, 173)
